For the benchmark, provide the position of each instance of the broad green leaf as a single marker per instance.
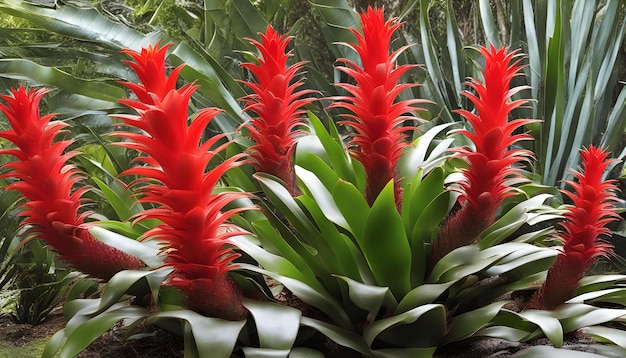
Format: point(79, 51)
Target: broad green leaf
point(489, 25)
point(598, 282)
point(602, 333)
point(466, 324)
point(352, 205)
point(339, 335)
point(119, 285)
point(423, 294)
point(322, 197)
point(251, 352)
point(576, 315)
point(94, 327)
point(421, 327)
point(277, 325)
point(108, 94)
point(318, 298)
point(549, 325)
point(214, 337)
point(385, 244)
point(369, 298)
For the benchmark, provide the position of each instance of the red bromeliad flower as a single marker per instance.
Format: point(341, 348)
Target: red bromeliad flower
point(491, 164)
point(377, 114)
point(46, 180)
point(277, 104)
point(585, 221)
point(175, 177)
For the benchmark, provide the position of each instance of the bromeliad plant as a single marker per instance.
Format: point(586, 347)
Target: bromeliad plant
point(277, 102)
point(351, 246)
point(54, 208)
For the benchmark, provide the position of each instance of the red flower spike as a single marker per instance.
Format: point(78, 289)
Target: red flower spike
point(585, 222)
point(377, 114)
point(491, 164)
point(277, 104)
point(46, 180)
point(175, 178)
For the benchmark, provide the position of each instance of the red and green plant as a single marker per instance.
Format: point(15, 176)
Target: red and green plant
point(582, 233)
point(54, 208)
point(368, 249)
point(277, 102)
point(173, 175)
point(377, 114)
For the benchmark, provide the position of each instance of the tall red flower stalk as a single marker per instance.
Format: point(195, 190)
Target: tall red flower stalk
point(585, 222)
point(277, 104)
point(376, 114)
point(45, 178)
point(492, 163)
point(174, 176)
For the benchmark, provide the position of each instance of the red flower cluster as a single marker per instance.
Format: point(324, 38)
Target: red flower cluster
point(278, 106)
point(46, 179)
point(175, 177)
point(377, 114)
point(591, 210)
point(491, 163)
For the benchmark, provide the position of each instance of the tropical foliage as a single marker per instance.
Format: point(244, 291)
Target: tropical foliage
point(258, 204)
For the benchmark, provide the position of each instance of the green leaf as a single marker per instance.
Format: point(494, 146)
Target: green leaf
point(120, 198)
point(489, 25)
point(466, 324)
point(576, 315)
point(385, 244)
point(214, 337)
point(420, 327)
point(405, 352)
point(277, 325)
point(322, 197)
point(549, 325)
point(369, 298)
point(352, 205)
point(423, 294)
point(341, 336)
point(318, 298)
point(602, 333)
point(93, 328)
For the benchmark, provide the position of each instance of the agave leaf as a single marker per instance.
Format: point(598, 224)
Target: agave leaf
point(214, 337)
point(385, 244)
point(106, 94)
point(489, 25)
point(277, 325)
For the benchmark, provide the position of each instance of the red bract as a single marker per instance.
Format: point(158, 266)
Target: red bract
point(491, 163)
point(278, 104)
point(175, 177)
point(46, 180)
point(585, 221)
point(377, 114)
